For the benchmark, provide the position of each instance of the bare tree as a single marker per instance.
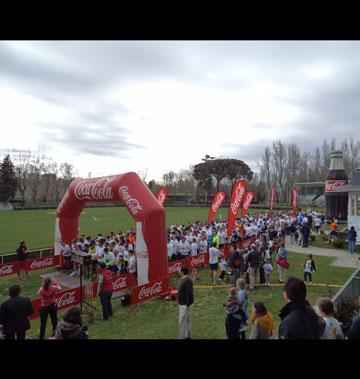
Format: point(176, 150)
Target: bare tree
point(279, 157)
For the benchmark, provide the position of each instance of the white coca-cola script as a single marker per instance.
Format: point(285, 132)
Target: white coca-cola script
point(120, 283)
point(68, 298)
point(42, 262)
point(196, 261)
point(7, 269)
point(150, 291)
point(238, 197)
point(38, 263)
point(99, 190)
point(133, 204)
point(218, 201)
point(174, 268)
point(330, 185)
point(247, 201)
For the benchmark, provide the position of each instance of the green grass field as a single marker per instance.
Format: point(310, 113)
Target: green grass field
point(37, 227)
point(158, 319)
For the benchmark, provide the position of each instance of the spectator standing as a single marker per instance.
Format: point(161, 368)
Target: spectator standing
point(70, 327)
point(185, 301)
point(223, 266)
point(281, 254)
point(48, 306)
point(309, 268)
point(235, 263)
point(305, 230)
point(21, 257)
point(253, 260)
point(244, 302)
point(262, 322)
point(333, 329)
point(234, 315)
point(268, 268)
point(352, 240)
point(14, 314)
point(132, 262)
point(298, 318)
point(214, 262)
point(105, 290)
point(317, 223)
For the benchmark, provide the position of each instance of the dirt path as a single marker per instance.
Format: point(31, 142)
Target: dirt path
point(343, 258)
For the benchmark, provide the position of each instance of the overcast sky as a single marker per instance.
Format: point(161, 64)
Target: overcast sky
point(111, 107)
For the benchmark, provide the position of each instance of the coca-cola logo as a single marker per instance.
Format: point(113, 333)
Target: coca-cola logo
point(7, 269)
point(38, 263)
point(119, 283)
point(240, 190)
point(330, 185)
point(99, 190)
point(247, 201)
point(196, 261)
point(174, 268)
point(66, 299)
point(219, 199)
point(133, 204)
point(150, 291)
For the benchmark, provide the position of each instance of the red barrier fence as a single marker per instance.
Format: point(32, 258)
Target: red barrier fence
point(29, 265)
point(64, 299)
point(149, 290)
point(120, 283)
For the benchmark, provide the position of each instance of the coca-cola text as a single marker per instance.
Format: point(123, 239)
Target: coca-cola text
point(133, 204)
point(99, 190)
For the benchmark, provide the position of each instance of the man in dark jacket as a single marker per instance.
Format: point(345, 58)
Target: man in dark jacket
point(185, 300)
point(305, 230)
point(352, 240)
point(298, 318)
point(14, 314)
point(253, 259)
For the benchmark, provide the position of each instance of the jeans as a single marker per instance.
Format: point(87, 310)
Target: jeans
point(234, 275)
point(307, 274)
point(185, 321)
point(44, 312)
point(352, 246)
point(105, 300)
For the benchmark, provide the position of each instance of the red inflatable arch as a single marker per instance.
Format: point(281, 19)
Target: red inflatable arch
point(142, 205)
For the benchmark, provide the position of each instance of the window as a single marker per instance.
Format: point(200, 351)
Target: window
point(357, 205)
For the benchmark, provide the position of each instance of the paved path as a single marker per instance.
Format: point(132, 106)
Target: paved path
point(343, 258)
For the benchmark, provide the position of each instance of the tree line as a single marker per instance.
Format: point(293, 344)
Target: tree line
point(40, 180)
point(33, 178)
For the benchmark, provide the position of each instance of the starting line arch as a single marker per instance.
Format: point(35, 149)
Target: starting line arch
point(142, 205)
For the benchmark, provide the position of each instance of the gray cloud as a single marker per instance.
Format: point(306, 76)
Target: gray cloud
point(78, 76)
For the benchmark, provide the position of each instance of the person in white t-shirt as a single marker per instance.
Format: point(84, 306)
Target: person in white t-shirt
point(170, 250)
point(333, 329)
point(194, 248)
point(184, 248)
point(203, 245)
point(214, 262)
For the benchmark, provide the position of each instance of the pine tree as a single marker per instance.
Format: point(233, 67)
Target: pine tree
point(8, 183)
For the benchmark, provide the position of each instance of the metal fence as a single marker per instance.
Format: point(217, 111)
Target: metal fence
point(32, 254)
point(350, 289)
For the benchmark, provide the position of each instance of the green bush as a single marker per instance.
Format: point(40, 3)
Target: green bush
point(339, 243)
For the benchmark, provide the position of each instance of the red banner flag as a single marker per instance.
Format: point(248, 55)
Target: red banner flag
point(215, 205)
point(272, 197)
point(293, 200)
point(237, 195)
point(246, 203)
point(161, 195)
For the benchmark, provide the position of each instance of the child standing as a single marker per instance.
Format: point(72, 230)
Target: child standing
point(333, 329)
point(309, 268)
point(234, 315)
point(223, 266)
point(267, 271)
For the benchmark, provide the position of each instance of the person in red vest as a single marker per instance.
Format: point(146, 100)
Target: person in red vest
point(105, 290)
